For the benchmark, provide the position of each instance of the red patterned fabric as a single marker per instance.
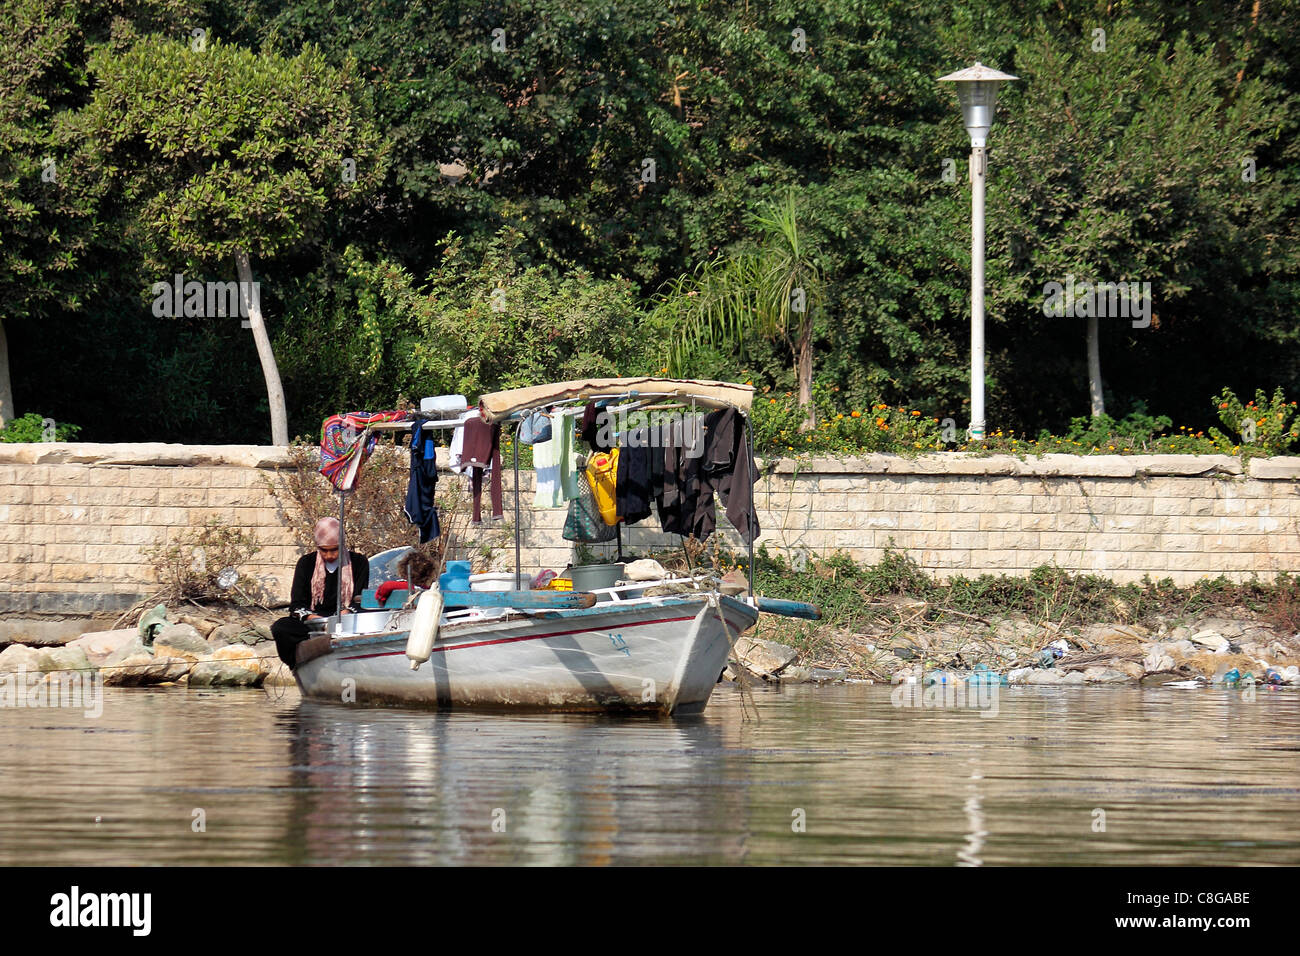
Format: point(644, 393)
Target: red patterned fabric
point(340, 442)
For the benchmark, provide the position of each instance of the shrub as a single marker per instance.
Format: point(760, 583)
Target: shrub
point(31, 428)
point(373, 515)
point(188, 567)
point(1264, 425)
point(898, 430)
point(373, 512)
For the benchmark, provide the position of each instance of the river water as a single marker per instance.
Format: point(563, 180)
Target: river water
point(838, 774)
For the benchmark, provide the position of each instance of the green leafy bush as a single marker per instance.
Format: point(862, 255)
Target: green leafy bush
point(1136, 427)
point(482, 321)
point(31, 428)
point(1265, 425)
point(881, 428)
point(898, 430)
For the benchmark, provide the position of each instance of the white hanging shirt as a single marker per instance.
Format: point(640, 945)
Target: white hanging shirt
point(546, 463)
point(454, 462)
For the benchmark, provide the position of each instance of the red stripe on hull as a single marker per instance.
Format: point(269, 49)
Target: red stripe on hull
point(524, 637)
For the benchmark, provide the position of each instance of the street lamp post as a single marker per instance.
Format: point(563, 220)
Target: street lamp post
point(977, 91)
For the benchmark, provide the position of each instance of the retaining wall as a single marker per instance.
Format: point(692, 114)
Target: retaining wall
point(73, 517)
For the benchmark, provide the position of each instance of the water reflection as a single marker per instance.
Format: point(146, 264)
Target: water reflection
point(1200, 777)
point(969, 855)
point(539, 789)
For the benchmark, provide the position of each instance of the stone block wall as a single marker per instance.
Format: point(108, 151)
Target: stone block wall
point(73, 517)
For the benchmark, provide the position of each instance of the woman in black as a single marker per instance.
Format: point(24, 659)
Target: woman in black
point(315, 592)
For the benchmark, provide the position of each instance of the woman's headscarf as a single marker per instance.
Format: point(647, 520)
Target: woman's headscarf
point(327, 536)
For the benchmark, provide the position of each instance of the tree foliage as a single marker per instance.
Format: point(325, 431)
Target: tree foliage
point(583, 154)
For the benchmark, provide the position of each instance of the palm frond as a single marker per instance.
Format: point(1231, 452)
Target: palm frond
point(728, 299)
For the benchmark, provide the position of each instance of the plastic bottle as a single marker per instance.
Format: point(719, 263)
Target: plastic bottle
point(981, 676)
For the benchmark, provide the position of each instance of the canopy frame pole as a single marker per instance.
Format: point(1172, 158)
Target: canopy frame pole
point(343, 556)
point(518, 540)
point(749, 447)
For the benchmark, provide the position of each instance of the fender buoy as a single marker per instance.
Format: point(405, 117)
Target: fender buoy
point(424, 627)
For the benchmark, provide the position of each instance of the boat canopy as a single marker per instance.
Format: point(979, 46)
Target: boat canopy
point(498, 406)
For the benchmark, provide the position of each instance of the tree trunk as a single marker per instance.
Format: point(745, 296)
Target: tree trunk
point(6, 388)
point(1094, 368)
point(805, 371)
point(1245, 52)
point(270, 371)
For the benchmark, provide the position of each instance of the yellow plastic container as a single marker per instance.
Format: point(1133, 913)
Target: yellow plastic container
point(602, 472)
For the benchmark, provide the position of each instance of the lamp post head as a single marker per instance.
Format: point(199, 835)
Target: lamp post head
point(977, 91)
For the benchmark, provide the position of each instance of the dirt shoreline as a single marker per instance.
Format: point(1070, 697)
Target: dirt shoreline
point(1016, 650)
point(225, 645)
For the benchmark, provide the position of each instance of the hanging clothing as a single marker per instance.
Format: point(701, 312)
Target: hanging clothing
point(479, 441)
point(420, 507)
point(602, 473)
point(340, 442)
point(632, 486)
point(680, 484)
point(597, 428)
point(727, 471)
point(480, 450)
point(657, 462)
point(475, 448)
point(546, 464)
point(737, 485)
point(566, 455)
point(454, 462)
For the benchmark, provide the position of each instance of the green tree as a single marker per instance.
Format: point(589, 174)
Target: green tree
point(225, 155)
point(771, 290)
point(483, 320)
point(39, 211)
point(50, 222)
point(1125, 164)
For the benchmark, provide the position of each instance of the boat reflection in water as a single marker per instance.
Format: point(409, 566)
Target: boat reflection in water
point(458, 788)
point(826, 776)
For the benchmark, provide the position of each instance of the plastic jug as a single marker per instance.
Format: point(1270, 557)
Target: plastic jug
point(456, 577)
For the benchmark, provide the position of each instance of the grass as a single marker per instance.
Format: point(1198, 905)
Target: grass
point(852, 594)
point(867, 609)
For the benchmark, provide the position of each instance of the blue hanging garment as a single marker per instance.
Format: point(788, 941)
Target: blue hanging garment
point(421, 508)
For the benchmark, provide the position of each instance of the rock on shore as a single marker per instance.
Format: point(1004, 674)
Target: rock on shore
point(194, 651)
point(1221, 647)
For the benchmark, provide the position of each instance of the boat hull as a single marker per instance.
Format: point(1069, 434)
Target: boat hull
point(659, 656)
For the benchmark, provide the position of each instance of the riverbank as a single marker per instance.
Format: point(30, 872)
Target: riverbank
point(908, 641)
point(894, 622)
point(1236, 650)
point(79, 521)
point(218, 645)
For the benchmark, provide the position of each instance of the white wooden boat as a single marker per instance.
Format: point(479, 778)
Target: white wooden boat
point(658, 655)
point(613, 649)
